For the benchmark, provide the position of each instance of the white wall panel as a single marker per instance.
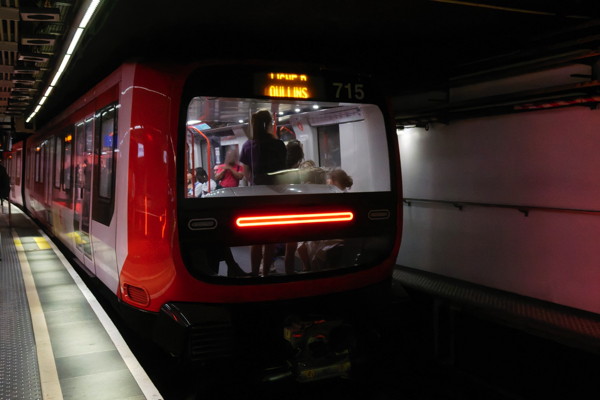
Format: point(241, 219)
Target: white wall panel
point(547, 158)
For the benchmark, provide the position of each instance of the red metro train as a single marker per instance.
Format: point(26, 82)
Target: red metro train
point(115, 179)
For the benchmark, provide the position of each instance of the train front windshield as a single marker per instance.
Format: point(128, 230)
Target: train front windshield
point(325, 148)
point(279, 187)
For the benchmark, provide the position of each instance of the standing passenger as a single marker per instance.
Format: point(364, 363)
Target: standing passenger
point(264, 153)
point(261, 155)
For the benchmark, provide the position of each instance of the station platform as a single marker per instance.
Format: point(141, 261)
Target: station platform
point(56, 341)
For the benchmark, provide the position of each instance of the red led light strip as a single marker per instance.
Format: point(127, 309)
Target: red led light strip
point(270, 220)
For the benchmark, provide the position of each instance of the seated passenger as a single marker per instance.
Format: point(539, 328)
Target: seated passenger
point(202, 186)
point(340, 179)
point(294, 154)
point(307, 164)
point(189, 181)
point(230, 172)
point(314, 175)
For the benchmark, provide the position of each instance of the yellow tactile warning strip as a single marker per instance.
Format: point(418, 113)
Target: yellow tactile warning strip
point(19, 369)
point(48, 373)
point(41, 243)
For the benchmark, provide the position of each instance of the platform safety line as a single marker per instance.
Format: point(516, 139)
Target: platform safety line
point(51, 389)
point(139, 374)
point(41, 243)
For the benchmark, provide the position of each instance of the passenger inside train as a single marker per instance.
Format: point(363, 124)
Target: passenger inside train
point(202, 184)
point(231, 172)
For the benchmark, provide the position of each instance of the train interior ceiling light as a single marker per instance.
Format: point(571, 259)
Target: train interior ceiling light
point(38, 40)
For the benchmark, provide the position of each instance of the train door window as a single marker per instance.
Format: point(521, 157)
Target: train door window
point(45, 174)
point(58, 161)
point(89, 136)
point(104, 164)
point(79, 158)
point(10, 167)
point(82, 148)
point(18, 161)
point(47, 151)
point(28, 172)
point(38, 162)
point(67, 160)
point(88, 151)
point(107, 149)
point(33, 163)
point(42, 162)
point(42, 166)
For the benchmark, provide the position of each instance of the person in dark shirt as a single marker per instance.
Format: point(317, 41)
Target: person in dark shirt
point(264, 153)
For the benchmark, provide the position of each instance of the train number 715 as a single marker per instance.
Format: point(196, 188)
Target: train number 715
point(349, 90)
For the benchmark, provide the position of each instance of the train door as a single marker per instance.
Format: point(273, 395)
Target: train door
point(84, 137)
point(14, 171)
point(46, 173)
point(17, 184)
point(103, 225)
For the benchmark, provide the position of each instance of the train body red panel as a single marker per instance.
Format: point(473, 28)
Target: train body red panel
point(117, 176)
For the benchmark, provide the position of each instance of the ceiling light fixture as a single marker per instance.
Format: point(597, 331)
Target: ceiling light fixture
point(83, 23)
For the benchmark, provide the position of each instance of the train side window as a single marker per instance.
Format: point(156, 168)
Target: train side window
point(58, 160)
